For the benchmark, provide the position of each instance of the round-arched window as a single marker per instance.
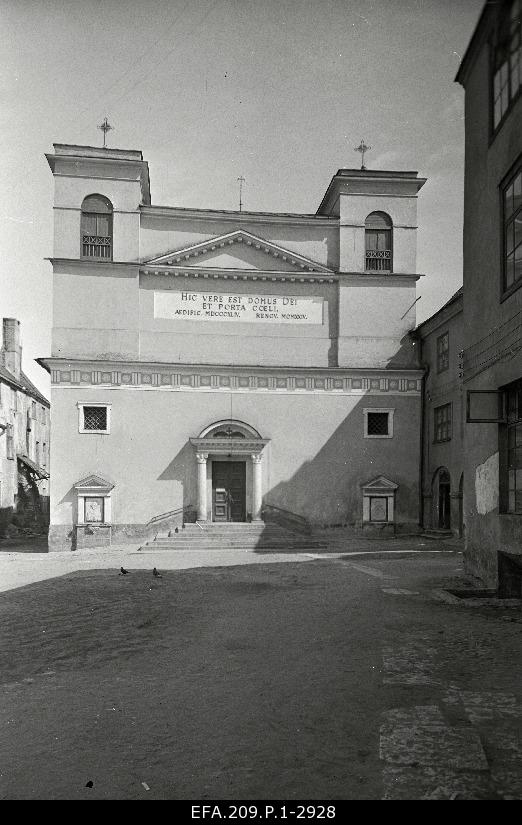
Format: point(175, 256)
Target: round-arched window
point(96, 228)
point(378, 230)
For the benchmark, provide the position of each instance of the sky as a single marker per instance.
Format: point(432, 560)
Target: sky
point(278, 91)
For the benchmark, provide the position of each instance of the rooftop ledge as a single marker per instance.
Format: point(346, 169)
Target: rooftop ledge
point(75, 150)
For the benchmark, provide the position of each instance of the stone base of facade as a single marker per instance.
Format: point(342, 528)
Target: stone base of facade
point(68, 537)
point(496, 535)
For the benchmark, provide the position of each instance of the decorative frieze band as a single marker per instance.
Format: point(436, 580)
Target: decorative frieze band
point(238, 382)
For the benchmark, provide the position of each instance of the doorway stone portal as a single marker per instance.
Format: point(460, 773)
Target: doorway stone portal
point(236, 489)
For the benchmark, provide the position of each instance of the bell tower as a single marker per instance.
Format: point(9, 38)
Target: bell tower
point(377, 213)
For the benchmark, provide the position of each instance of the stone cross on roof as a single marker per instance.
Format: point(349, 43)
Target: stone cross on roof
point(362, 148)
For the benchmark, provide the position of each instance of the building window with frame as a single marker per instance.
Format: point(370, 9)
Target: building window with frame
point(96, 228)
point(94, 418)
point(514, 448)
point(442, 421)
point(378, 234)
point(507, 61)
point(443, 352)
point(512, 220)
point(378, 423)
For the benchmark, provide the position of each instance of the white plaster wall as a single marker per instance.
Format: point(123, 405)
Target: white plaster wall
point(313, 465)
point(486, 485)
point(371, 322)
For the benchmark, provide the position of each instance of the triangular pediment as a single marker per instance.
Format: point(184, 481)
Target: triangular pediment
point(239, 250)
point(93, 481)
point(380, 483)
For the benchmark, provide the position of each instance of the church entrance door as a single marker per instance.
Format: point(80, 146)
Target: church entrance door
point(229, 490)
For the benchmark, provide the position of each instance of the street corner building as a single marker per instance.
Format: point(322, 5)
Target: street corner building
point(24, 442)
point(491, 75)
point(230, 366)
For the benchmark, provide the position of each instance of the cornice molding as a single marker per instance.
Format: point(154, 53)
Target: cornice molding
point(234, 446)
point(81, 262)
point(240, 274)
point(228, 378)
point(184, 213)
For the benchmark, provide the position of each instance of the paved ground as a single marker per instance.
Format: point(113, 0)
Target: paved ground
point(294, 677)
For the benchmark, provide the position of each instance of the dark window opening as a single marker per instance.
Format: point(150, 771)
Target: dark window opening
point(443, 352)
point(377, 423)
point(95, 418)
point(378, 231)
point(96, 228)
point(512, 220)
point(513, 450)
point(442, 416)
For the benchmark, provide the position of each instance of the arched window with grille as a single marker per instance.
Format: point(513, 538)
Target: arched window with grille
point(96, 228)
point(378, 227)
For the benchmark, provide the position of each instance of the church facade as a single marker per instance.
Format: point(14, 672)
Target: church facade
point(228, 366)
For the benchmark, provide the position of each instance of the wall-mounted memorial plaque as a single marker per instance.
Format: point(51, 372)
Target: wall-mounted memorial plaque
point(265, 309)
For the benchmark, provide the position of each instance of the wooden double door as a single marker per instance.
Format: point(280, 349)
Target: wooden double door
point(229, 490)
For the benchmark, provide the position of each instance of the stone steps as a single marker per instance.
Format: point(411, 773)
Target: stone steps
point(434, 533)
point(233, 535)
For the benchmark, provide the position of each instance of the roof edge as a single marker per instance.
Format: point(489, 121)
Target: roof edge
point(475, 41)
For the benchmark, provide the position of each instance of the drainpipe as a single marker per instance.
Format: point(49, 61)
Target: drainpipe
point(426, 369)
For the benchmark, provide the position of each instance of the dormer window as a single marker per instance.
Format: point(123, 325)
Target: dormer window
point(378, 227)
point(96, 228)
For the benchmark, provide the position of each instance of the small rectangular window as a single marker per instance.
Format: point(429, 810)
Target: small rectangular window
point(442, 416)
point(94, 418)
point(443, 352)
point(378, 423)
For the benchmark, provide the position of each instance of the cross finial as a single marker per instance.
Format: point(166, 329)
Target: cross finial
point(362, 148)
point(105, 127)
point(241, 180)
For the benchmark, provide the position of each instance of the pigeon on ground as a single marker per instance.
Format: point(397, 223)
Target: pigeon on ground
point(123, 572)
point(156, 574)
